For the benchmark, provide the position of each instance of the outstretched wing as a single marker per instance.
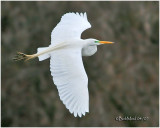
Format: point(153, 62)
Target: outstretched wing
point(71, 26)
point(71, 80)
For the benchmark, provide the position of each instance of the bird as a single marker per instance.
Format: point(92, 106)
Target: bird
point(66, 65)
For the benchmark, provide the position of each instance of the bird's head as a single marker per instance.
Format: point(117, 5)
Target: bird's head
point(97, 42)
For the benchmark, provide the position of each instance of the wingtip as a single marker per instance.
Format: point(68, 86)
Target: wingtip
point(85, 15)
point(80, 114)
point(75, 114)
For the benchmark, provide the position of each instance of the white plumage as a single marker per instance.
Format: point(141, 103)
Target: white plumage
point(66, 65)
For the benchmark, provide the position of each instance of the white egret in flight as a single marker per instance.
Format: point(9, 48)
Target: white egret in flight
point(66, 65)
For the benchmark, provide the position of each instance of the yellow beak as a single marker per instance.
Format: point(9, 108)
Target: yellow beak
point(106, 42)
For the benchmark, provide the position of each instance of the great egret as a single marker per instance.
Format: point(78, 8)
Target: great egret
point(66, 65)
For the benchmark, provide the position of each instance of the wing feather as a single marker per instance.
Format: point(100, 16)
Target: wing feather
point(71, 80)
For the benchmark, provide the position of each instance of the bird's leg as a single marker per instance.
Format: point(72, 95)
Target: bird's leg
point(25, 57)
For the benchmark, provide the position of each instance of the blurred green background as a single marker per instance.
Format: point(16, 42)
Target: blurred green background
point(123, 78)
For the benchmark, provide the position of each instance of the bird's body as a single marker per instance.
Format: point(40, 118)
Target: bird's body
point(66, 65)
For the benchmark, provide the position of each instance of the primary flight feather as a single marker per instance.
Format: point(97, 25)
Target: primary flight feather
point(66, 65)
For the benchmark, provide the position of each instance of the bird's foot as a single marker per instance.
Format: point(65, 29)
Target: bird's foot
point(22, 56)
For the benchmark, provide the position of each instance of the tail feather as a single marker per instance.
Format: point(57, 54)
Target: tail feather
point(44, 56)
